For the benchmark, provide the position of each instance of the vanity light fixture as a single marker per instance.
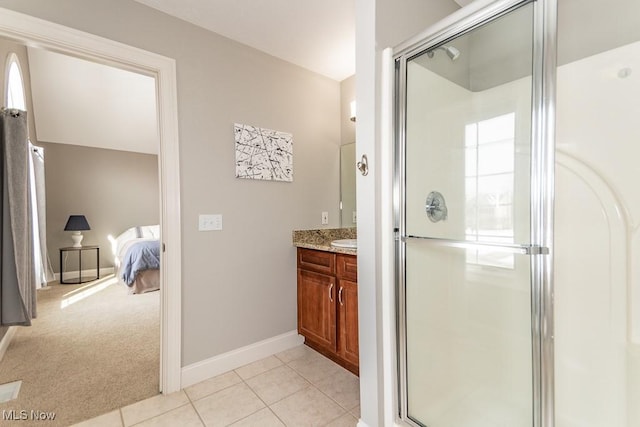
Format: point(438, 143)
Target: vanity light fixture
point(352, 107)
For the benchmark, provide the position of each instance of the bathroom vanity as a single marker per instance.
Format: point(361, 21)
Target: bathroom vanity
point(328, 301)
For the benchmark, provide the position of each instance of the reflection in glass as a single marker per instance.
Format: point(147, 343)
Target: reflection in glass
point(490, 185)
point(490, 182)
point(348, 185)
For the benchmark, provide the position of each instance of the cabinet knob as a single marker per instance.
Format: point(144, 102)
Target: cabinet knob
point(340, 295)
point(331, 293)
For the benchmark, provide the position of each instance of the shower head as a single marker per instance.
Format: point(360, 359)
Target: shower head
point(451, 52)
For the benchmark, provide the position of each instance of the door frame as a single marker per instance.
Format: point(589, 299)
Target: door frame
point(44, 34)
point(542, 183)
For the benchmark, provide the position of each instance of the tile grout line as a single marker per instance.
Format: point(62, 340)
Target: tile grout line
point(242, 380)
point(258, 396)
point(196, 409)
point(191, 401)
point(276, 415)
point(255, 394)
point(159, 415)
point(346, 411)
point(268, 370)
point(320, 390)
point(310, 385)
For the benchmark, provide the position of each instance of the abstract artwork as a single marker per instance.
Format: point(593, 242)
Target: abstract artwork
point(263, 153)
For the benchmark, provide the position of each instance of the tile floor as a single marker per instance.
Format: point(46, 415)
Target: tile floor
point(298, 387)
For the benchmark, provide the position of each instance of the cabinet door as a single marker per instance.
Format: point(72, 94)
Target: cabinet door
point(347, 267)
point(318, 261)
point(317, 308)
point(348, 304)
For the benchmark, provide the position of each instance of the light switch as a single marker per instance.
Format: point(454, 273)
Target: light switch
point(354, 217)
point(325, 218)
point(210, 222)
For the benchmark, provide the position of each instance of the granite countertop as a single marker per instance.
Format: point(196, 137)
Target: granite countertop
point(321, 239)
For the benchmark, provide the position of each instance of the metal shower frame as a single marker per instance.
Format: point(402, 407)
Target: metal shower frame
point(542, 192)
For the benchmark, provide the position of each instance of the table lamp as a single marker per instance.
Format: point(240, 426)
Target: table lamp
point(77, 223)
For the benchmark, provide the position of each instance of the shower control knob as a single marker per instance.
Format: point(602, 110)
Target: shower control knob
point(436, 207)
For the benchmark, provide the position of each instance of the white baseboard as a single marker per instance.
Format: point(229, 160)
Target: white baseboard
point(90, 272)
point(6, 340)
point(222, 363)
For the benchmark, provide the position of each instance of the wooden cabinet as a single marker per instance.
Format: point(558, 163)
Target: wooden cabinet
point(328, 304)
point(348, 321)
point(316, 308)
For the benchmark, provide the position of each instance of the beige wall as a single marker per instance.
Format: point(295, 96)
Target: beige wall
point(239, 284)
point(114, 189)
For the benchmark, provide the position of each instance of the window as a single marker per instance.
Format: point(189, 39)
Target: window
point(489, 188)
point(15, 87)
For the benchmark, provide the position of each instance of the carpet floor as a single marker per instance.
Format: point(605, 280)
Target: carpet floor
point(93, 348)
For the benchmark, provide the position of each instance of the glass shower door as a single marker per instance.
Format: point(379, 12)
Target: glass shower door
point(468, 298)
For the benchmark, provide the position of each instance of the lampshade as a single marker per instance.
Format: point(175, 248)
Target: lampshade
point(77, 223)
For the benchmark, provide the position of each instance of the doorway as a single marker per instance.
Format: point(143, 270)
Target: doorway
point(35, 32)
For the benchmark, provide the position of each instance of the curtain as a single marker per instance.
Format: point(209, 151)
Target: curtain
point(17, 274)
point(42, 263)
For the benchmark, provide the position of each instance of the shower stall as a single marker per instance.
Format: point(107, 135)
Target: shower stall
point(515, 173)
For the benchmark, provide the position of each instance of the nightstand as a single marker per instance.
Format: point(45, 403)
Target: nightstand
point(79, 251)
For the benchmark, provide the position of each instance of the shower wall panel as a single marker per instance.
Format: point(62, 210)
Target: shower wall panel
point(597, 240)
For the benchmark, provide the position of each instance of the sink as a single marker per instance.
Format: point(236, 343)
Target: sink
point(345, 243)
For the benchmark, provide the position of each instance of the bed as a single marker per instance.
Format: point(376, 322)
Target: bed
point(137, 258)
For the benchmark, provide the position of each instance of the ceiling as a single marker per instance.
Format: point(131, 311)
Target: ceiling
point(92, 105)
point(316, 35)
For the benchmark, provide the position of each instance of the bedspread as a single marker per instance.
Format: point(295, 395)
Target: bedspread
point(143, 255)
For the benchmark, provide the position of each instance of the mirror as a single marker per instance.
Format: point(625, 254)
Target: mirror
point(348, 185)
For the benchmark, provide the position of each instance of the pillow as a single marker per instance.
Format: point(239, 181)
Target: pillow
point(150, 231)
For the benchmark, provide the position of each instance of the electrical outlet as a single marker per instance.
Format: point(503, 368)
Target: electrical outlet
point(354, 217)
point(325, 218)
